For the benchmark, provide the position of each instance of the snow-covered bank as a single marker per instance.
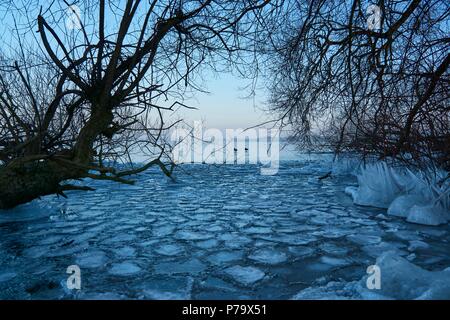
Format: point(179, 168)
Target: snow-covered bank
point(399, 279)
point(419, 197)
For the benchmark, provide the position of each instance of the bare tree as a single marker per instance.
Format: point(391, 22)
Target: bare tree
point(366, 77)
point(75, 100)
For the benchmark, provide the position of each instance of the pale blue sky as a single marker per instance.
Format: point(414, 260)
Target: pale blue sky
point(226, 106)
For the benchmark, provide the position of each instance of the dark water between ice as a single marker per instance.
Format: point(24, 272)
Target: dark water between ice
point(223, 232)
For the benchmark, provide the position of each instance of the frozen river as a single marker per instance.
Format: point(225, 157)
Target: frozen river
point(222, 232)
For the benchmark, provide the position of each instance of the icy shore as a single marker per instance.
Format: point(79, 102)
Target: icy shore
point(419, 198)
point(399, 280)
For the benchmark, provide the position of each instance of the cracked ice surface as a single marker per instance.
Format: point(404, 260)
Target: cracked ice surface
point(219, 232)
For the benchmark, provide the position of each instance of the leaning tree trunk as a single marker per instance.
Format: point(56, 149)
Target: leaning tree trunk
point(30, 177)
point(24, 182)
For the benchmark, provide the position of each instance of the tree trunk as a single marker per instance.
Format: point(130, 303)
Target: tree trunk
point(22, 183)
point(23, 180)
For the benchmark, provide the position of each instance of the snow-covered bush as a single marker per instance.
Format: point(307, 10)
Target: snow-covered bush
point(419, 197)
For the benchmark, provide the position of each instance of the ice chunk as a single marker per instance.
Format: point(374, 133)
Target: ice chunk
point(216, 283)
point(364, 239)
point(403, 193)
point(207, 244)
point(102, 296)
point(257, 230)
point(268, 256)
point(417, 209)
point(91, 259)
point(169, 289)
point(407, 235)
point(430, 215)
point(352, 192)
point(237, 207)
point(162, 231)
point(401, 206)
point(126, 251)
point(301, 251)
point(333, 249)
point(169, 249)
point(376, 250)
point(378, 186)
point(319, 267)
point(400, 279)
point(332, 291)
point(234, 240)
point(124, 269)
point(411, 257)
point(110, 203)
point(192, 266)
point(245, 275)
point(335, 262)
point(6, 276)
point(417, 245)
point(298, 239)
point(192, 235)
point(434, 233)
point(225, 256)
